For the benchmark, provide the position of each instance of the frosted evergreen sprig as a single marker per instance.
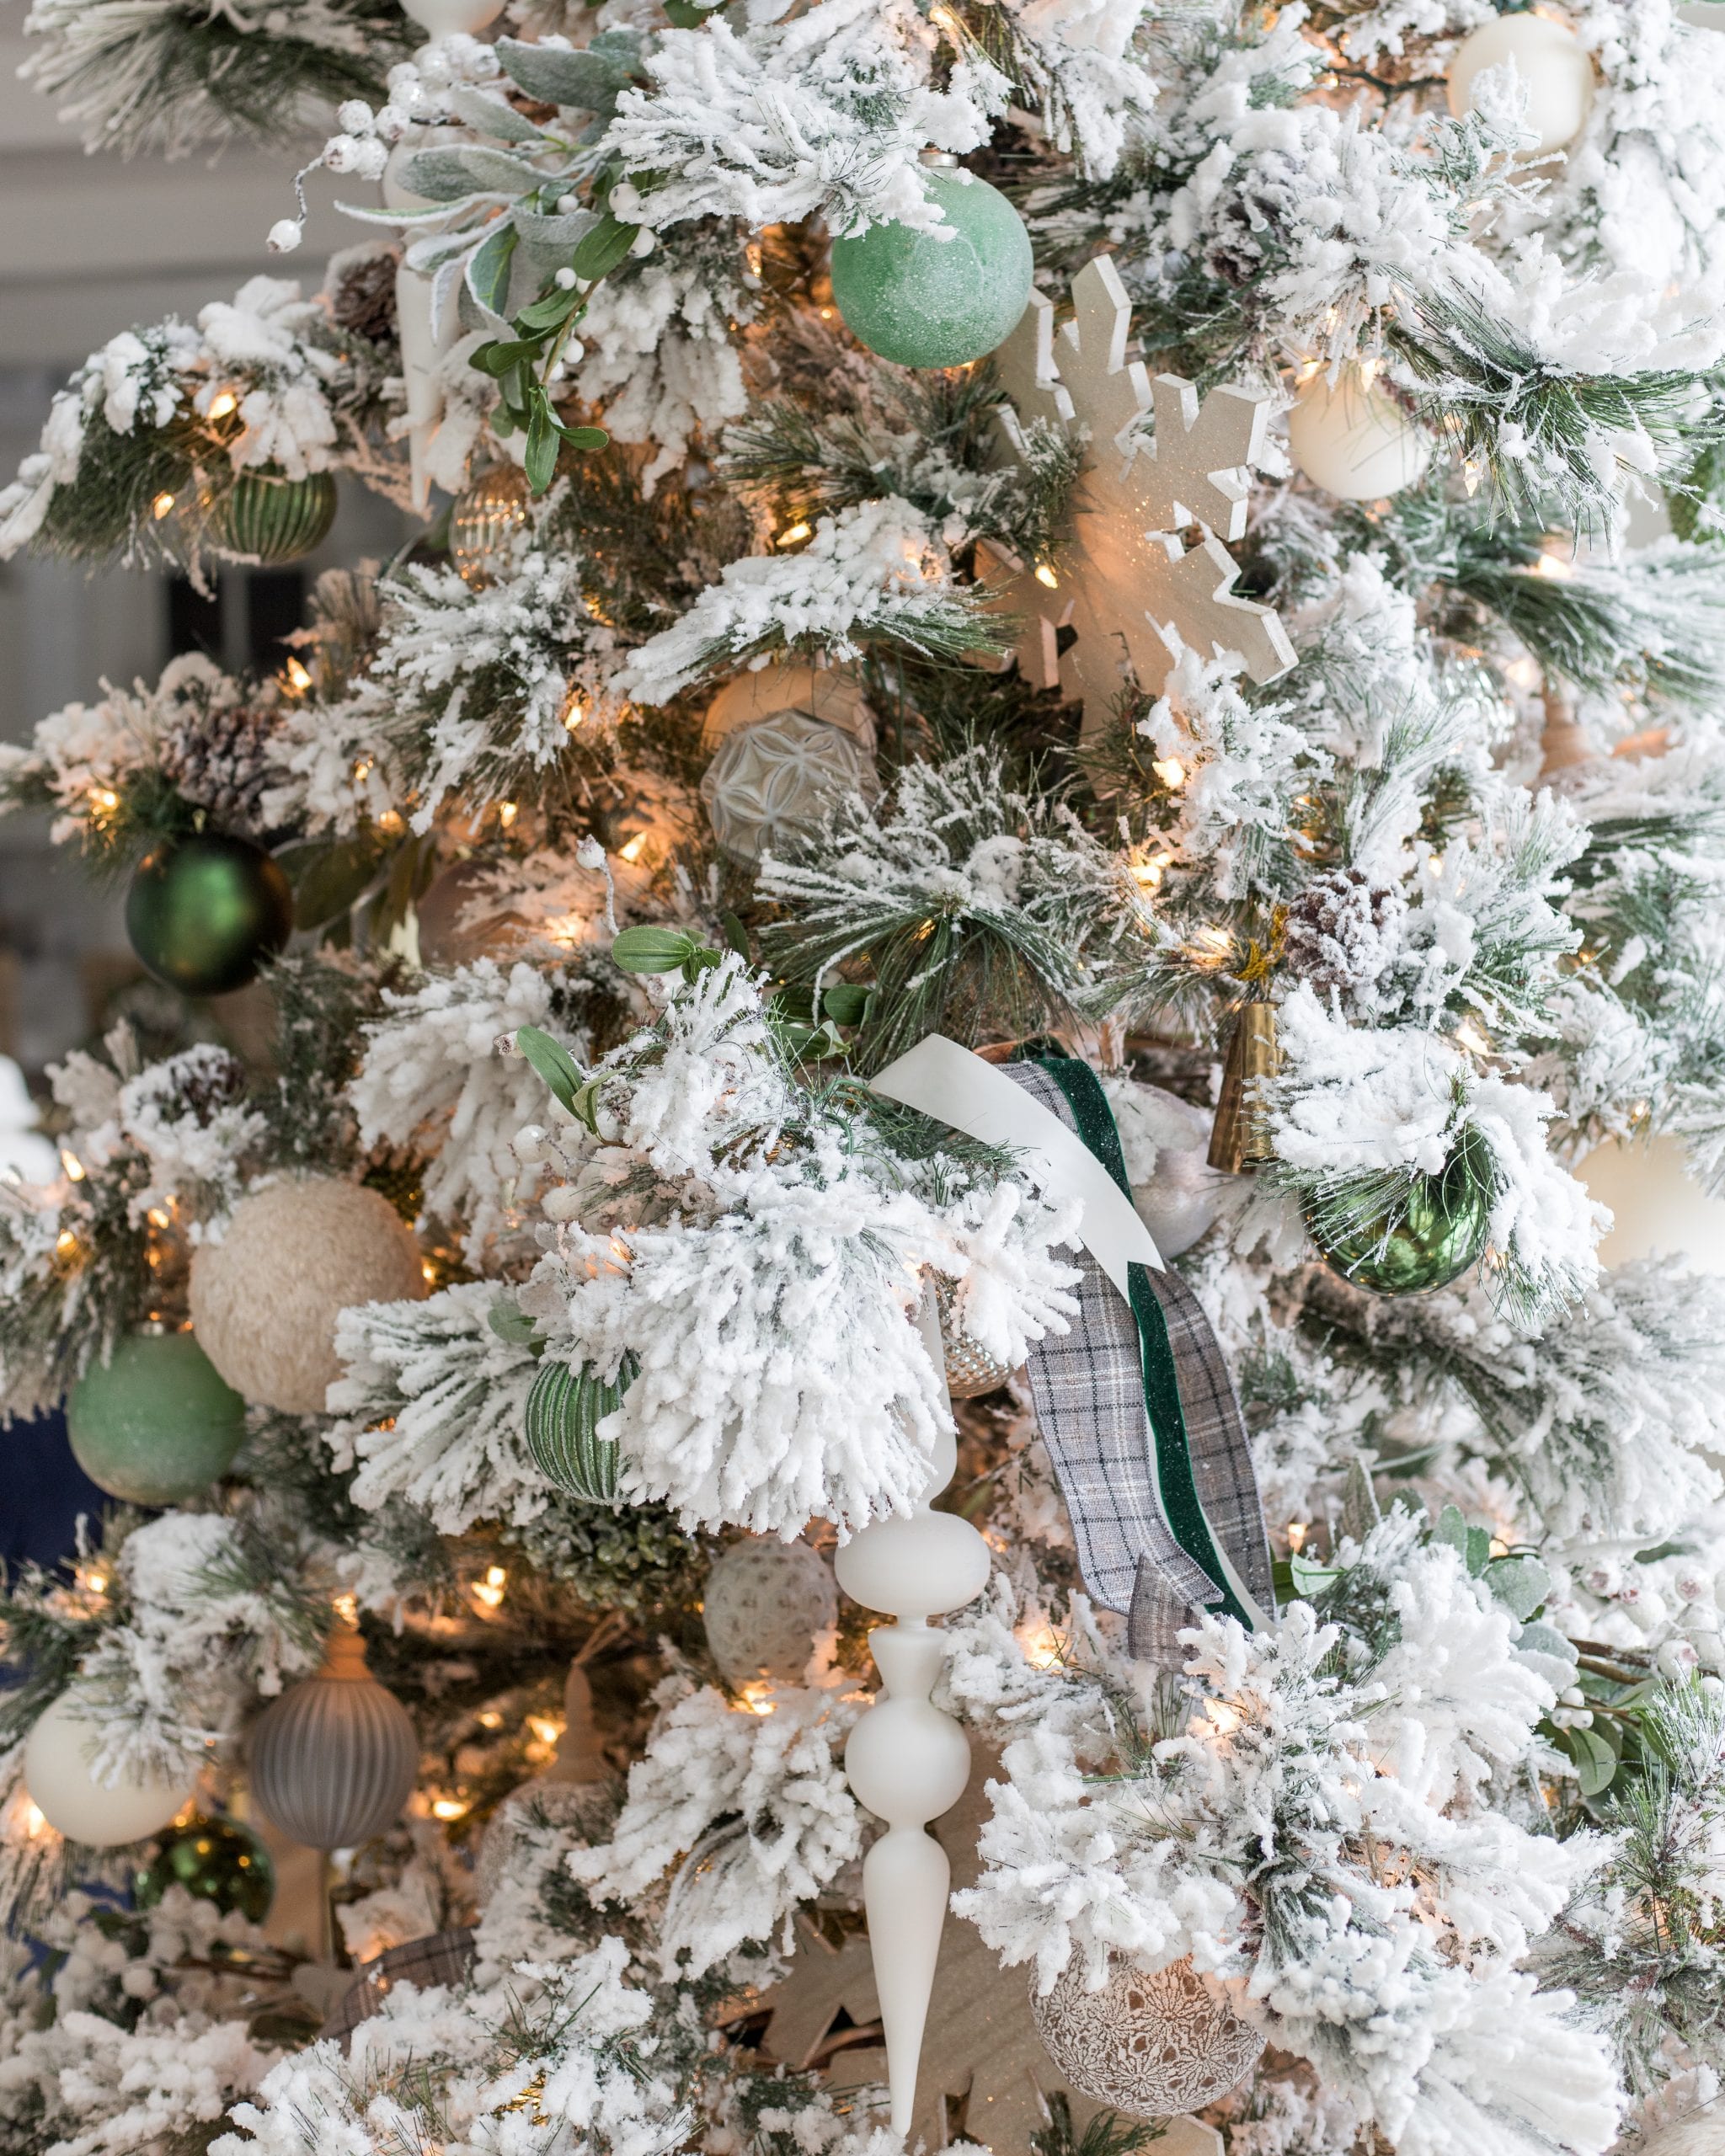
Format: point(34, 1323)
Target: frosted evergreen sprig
point(967, 907)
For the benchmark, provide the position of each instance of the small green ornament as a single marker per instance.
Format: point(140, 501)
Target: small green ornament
point(564, 1410)
point(204, 913)
point(1416, 1240)
point(269, 518)
point(931, 302)
point(214, 1858)
point(155, 1423)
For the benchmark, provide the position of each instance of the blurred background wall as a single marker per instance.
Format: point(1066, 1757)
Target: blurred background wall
point(90, 246)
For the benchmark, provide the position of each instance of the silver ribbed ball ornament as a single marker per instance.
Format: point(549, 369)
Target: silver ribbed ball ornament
point(971, 1370)
point(766, 1602)
point(482, 523)
point(334, 1759)
point(1148, 2046)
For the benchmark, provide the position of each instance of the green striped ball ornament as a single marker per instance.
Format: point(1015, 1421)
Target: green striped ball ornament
point(269, 518)
point(564, 1410)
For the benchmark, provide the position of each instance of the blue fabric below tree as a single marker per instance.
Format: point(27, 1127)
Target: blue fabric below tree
point(42, 1492)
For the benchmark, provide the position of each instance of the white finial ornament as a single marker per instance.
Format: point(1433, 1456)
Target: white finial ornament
point(906, 1761)
point(1123, 577)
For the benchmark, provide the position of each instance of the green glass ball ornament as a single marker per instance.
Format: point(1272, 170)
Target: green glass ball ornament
point(931, 303)
point(269, 518)
point(564, 1410)
point(154, 1424)
point(1412, 1244)
point(214, 1858)
point(204, 913)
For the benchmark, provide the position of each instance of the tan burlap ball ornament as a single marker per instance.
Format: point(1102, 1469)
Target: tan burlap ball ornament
point(266, 1299)
point(1148, 2046)
point(766, 1603)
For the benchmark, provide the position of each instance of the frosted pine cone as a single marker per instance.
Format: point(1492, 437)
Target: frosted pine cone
point(1343, 931)
point(218, 759)
point(361, 291)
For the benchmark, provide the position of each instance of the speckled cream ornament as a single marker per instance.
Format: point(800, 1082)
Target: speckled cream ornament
point(335, 1757)
point(58, 1781)
point(774, 781)
point(766, 1602)
point(971, 1370)
point(1552, 62)
point(1353, 440)
point(482, 523)
point(1147, 2045)
point(929, 301)
point(155, 1423)
point(266, 1299)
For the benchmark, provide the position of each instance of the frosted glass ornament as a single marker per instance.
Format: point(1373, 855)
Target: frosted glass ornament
point(1656, 1204)
point(1552, 62)
point(58, 1780)
point(335, 1757)
point(926, 302)
point(1354, 440)
point(1148, 2046)
point(155, 1424)
point(266, 1299)
point(765, 1605)
point(775, 780)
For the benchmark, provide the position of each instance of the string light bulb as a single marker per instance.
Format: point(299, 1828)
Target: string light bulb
point(489, 1593)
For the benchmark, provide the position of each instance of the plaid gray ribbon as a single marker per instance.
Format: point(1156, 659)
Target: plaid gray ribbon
point(1089, 1388)
point(440, 1957)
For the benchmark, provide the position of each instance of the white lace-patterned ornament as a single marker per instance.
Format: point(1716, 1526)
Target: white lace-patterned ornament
point(775, 780)
point(1123, 579)
point(1148, 2046)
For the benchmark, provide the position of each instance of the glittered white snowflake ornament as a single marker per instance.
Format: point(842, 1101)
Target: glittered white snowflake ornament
point(1123, 579)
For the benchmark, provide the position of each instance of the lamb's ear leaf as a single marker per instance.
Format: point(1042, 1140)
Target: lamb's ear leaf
point(552, 1061)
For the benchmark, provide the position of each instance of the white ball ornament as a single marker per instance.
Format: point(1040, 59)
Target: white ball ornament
point(442, 18)
point(1551, 62)
point(766, 1603)
point(59, 1782)
point(1352, 440)
point(266, 1299)
point(1149, 2045)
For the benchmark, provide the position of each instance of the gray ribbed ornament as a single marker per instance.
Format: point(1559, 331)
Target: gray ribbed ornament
point(334, 1759)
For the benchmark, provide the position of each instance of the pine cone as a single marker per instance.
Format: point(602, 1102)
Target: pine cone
point(218, 759)
point(1343, 931)
point(362, 297)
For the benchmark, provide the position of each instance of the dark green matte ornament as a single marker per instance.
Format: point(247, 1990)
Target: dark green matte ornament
point(155, 1424)
point(204, 913)
point(269, 518)
point(931, 302)
point(213, 1857)
point(564, 1410)
point(1418, 1239)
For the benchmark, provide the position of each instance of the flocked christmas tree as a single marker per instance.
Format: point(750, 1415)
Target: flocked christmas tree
point(971, 938)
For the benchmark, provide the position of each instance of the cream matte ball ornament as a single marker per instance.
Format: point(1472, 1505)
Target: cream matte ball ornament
point(1148, 2046)
point(58, 1781)
point(266, 1299)
point(1552, 64)
point(1354, 441)
point(766, 1603)
point(335, 1757)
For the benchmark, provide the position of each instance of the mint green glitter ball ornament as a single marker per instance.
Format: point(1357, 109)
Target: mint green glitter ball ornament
point(931, 303)
point(154, 1424)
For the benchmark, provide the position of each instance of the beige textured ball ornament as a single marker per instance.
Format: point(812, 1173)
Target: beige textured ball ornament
point(266, 1299)
point(1148, 2046)
point(765, 1605)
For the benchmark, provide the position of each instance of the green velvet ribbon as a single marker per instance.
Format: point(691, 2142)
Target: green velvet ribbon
point(1178, 1492)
